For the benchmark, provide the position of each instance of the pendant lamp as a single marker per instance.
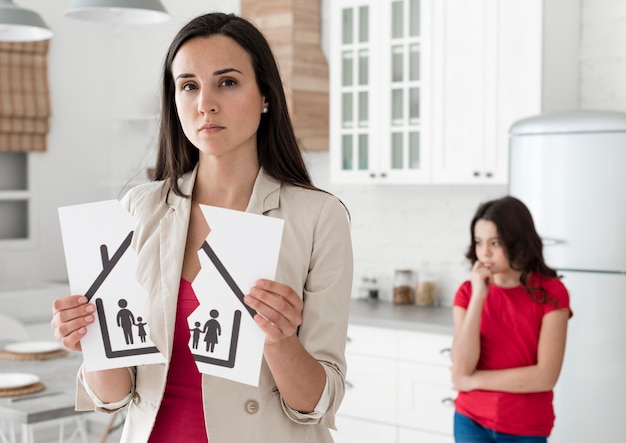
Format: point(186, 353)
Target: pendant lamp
point(126, 12)
point(21, 25)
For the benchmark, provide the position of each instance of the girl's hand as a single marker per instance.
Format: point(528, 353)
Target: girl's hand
point(70, 317)
point(480, 277)
point(278, 307)
point(460, 382)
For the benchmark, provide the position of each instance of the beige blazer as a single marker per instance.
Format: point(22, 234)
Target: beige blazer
point(315, 260)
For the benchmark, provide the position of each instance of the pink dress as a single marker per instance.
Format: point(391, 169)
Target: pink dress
point(181, 416)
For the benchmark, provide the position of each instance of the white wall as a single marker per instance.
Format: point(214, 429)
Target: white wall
point(100, 72)
point(97, 72)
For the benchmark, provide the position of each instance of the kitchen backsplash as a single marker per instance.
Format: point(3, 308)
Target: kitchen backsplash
point(407, 226)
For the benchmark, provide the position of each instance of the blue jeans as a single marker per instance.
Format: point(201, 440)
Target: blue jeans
point(467, 430)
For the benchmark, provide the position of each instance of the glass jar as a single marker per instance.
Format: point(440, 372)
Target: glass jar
point(403, 287)
point(425, 291)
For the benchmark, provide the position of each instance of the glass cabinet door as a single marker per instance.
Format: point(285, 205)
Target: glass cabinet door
point(404, 91)
point(355, 89)
point(377, 91)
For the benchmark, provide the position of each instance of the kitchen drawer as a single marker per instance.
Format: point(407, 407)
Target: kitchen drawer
point(425, 397)
point(424, 347)
point(350, 430)
point(365, 340)
point(370, 389)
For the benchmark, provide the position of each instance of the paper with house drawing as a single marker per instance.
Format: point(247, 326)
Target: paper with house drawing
point(101, 264)
point(224, 339)
point(241, 248)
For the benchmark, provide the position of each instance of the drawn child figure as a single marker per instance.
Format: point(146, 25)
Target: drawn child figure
point(126, 320)
point(510, 325)
point(213, 330)
point(196, 334)
point(141, 329)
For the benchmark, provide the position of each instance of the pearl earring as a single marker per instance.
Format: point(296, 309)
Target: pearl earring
point(265, 110)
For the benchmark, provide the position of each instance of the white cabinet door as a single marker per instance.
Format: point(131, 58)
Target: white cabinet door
point(362, 431)
point(425, 397)
point(487, 64)
point(370, 389)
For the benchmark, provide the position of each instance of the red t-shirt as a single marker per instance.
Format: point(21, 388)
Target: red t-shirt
point(509, 338)
point(181, 415)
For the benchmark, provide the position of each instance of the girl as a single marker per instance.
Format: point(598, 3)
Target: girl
point(510, 324)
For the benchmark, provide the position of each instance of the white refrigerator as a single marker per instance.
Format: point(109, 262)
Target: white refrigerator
point(570, 170)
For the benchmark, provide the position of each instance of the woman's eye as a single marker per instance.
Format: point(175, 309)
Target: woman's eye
point(188, 87)
point(228, 82)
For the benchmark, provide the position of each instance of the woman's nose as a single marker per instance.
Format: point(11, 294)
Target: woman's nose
point(207, 103)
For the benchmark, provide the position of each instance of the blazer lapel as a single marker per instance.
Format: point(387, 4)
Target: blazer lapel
point(172, 234)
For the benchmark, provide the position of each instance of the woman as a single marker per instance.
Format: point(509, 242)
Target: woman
point(510, 325)
point(226, 140)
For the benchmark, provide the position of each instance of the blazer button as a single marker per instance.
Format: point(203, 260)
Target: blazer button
point(136, 398)
point(252, 406)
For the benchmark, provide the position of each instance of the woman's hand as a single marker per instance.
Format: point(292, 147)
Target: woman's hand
point(70, 317)
point(278, 307)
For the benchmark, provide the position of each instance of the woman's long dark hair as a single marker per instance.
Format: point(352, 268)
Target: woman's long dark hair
point(277, 147)
point(522, 244)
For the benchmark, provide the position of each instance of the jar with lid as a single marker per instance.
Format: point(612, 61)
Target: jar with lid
point(403, 287)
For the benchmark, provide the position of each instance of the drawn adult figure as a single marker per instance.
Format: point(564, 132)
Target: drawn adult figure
point(226, 140)
point(213, 330)
point(141, 330)
point(196, 334)
point(126, 320)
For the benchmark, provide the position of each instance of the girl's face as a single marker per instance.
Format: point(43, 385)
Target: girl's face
point(217, 97)
point(489, 250)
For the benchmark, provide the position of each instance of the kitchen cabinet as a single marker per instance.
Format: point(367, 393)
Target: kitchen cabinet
point(425, 91)
point(397, 387)
point(379, 86)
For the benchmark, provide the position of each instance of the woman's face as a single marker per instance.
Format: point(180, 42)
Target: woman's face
point(217, 97)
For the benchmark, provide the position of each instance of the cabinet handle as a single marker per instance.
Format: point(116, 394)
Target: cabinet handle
point(383, 174)
point(448, 401)
point(445, 352)
point(349, 385)
point(489, 174)
point(476, 174)
point(372, 175)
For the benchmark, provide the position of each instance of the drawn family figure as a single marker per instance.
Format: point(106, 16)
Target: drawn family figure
point(126, 320)
point(141, 329)
point(196, 334)
point(213, 330)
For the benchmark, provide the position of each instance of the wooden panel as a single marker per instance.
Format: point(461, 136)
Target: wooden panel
point(292, 28)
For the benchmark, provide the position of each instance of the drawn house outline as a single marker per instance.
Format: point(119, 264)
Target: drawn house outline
point(108, 264)
point(234, 336)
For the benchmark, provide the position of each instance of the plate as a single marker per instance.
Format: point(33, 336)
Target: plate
point(33, 347)
point(17, 380)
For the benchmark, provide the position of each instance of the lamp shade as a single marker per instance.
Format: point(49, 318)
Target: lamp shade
point(21, 25)
point(129, 12)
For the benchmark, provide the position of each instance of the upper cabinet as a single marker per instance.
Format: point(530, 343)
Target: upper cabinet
point(425, 91)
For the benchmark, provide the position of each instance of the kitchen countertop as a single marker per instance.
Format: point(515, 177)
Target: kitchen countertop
point(385, 314)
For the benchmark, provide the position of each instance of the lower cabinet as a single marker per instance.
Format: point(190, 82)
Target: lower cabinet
point(397, 387)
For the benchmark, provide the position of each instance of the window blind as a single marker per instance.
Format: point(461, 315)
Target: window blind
point(24, 96)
